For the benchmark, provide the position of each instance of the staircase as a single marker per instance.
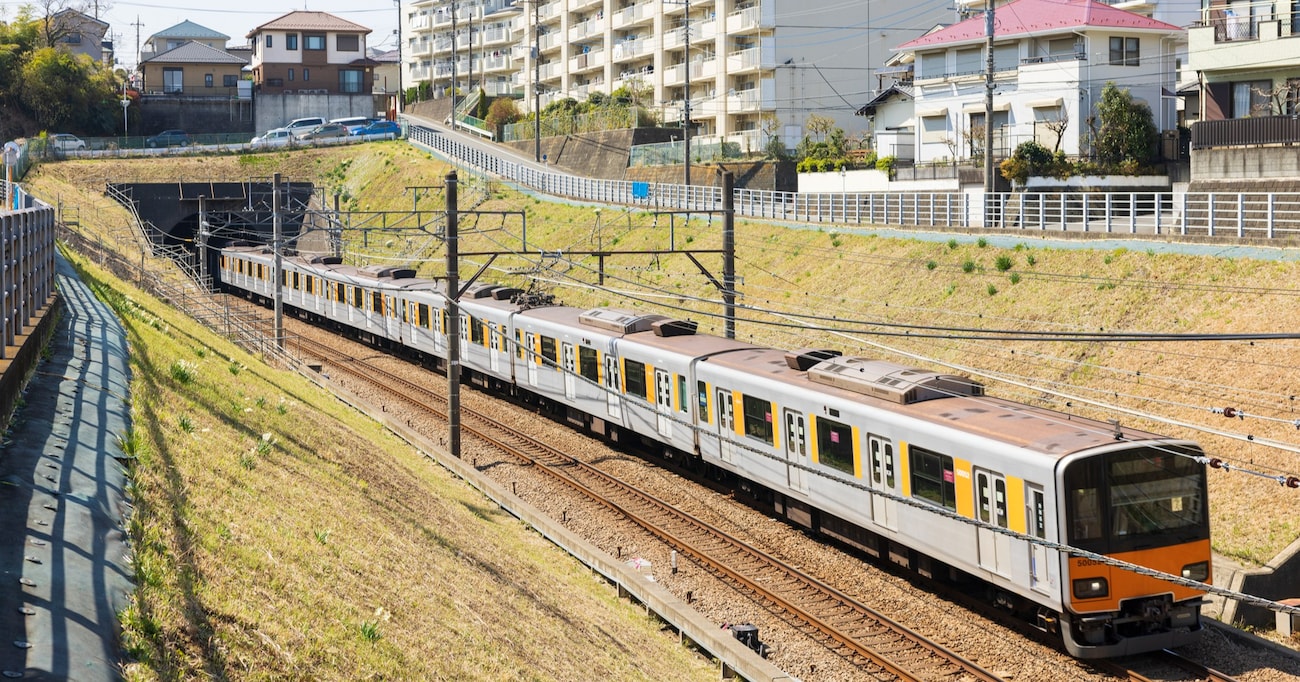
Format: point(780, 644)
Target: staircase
point(462, 119)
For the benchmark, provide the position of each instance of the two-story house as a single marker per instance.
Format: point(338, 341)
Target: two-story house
point(79, 33)
point(174, 36)
point(1051, 60)
point(1247, 59)
point(192, 68)
point(311, 52)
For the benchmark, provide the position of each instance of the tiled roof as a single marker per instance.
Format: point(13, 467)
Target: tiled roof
point(302, 20)
point(1023, 17)
point(191, 52)
point(189, 29)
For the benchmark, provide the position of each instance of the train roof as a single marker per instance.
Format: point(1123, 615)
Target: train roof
point(946, 400)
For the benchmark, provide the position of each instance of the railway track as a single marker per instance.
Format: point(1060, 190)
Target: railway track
point(877, 644)
point(1161, 666)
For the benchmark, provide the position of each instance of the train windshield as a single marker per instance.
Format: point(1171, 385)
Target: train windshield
point(1136, 499)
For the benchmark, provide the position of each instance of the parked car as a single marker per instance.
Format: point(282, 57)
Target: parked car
point(353, 123)
point(168, 138)
point(275, 137)
point(302, 126)
point(64, 142)
point(325, 131)
point(389, 129)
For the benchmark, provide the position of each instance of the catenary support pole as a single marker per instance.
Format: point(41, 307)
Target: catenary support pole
point(453, 321)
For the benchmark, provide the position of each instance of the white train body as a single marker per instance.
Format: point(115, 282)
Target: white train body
point(884, 457)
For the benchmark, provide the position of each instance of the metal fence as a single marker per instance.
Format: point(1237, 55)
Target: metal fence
point(605, 118)
point(27, 270)
point(1266, 216)
point(1242, 132)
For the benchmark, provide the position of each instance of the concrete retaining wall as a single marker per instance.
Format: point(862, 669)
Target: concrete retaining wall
point(273, 111)
point(1247, 166)
point(194, 114)
point(1278, 580)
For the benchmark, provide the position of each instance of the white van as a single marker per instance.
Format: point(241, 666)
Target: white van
point(302, 126)
point(353, 123)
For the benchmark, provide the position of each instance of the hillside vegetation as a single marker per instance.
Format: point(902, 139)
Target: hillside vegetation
point(870, 281)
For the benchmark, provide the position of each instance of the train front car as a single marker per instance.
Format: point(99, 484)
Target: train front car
point(1145, 504)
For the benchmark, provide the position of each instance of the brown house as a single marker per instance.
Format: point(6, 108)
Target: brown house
point(311, 52)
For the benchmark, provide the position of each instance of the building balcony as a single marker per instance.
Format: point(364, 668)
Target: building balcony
point(743, 101)
point(642, 12)
point(496, 62)
point(420, 23)
point(590, 27)
point(580, 5)
point(751, 59)
point(496, 35)
point(743, 21)
point(630, 49)
point(550, 10)
point(595, 59)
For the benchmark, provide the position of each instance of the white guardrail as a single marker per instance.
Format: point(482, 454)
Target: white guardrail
point(1265, 216)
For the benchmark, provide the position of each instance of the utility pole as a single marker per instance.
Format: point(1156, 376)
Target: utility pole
point(537, 80)
point(453, 319)
point(137, 26)
point(401, 93)
point(453, 64)
point(277, 272)
point(988, 105)
point(729, 251)
point(686, 105)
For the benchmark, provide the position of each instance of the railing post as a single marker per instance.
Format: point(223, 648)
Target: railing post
point(1241, 215)
point(1132, 213)
point(1183, 202)
point(1270, 214)
point(1209, 217)
point(1110, 207)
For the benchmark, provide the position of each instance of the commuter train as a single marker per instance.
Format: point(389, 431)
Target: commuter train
point(886, 458)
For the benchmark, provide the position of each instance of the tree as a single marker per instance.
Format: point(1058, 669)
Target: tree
point(69, 92)
point(1127, 132)
point(502, 112)
point(1058, 126)
point(819, 125)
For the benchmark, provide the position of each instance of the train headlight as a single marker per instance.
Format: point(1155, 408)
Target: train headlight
point(1091, 588)
point(1198, 571)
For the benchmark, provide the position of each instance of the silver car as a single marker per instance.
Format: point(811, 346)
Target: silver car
point(275, 137)
point(64, 142)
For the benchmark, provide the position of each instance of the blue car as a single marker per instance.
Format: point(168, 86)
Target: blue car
point(381, 128)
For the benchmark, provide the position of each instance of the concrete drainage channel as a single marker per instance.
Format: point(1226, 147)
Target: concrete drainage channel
point(735, 658)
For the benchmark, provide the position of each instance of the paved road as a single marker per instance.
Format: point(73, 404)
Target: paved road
point(63, 550)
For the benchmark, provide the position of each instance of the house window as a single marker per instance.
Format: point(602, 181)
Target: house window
point(230, 81)
point(934, 128)
point(268, 40)
point(1251, 98)
point(275, 82)
point(306, 75)
point(72, 38)
point(207, 80)
point(291, 41)
point(313, 42)
point(1124, 51)
point(173, 79)
point(969, 61)
point(347, 43)
point(290, 75)
point(350, 80)
point(933, 65)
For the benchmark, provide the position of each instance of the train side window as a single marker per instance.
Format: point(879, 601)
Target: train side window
point(889, 465)
point(549, 356)
point(683, 401)
point(377, 302)
point(589, 363)
point(758, 418)
point(835, 445)
point(422, 315)
point(296, 283)
point(703, 390)
point(933, 478)
point(1000, 502)
point(1037, 512)
point(634, 378)
point(475, 331)
point(260, 274)
point(983, 497)
point(519, 344)
point(358, 297)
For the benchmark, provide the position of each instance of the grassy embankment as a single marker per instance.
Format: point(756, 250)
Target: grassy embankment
point(960, 282)
point(280, 535)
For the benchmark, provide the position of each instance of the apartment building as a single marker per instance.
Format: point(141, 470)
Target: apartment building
point(741, 67)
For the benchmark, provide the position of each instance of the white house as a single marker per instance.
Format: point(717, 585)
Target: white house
point(1051, 60)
